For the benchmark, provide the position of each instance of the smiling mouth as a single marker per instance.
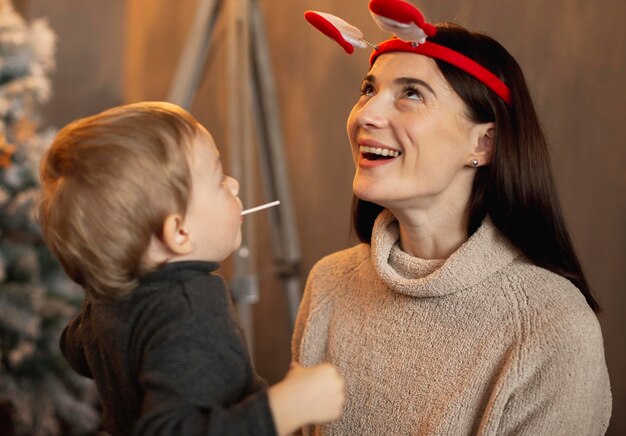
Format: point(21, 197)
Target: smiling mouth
point(373, 153)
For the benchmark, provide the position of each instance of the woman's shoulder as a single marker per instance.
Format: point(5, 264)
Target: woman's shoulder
point(342, 262)
point(542, 287)
point(560, 337)
point(337, 273)
point(553, 306)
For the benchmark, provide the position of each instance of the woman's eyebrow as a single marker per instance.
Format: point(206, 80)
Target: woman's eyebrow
point(414, 81)
point(369, 78)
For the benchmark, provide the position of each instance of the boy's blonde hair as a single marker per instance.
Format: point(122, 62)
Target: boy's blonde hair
point(108, 183)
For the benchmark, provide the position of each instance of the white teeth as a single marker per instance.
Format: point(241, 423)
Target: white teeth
point(379, 151)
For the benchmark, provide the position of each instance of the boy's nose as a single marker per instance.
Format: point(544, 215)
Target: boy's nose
point(233, 185)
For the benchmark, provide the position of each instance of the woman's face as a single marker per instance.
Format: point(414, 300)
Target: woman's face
point(411, 140)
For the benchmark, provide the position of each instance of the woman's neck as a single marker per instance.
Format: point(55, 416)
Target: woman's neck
point(429, 235)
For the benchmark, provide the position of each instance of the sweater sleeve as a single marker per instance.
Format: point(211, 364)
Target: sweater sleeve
point(563, 384)
point(301, 321)
point(71, 342)
point(311, 326)
point(298, 333)
point(195, 373)
point(326, 280)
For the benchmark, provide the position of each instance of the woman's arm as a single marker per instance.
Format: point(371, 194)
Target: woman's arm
point(563, 386)
point(301, 320)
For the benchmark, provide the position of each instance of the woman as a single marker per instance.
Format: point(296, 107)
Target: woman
point(464, 310)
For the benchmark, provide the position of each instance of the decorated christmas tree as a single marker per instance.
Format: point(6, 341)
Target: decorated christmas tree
point(39, 393)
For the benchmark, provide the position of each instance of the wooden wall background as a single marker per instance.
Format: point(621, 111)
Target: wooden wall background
point(573, 54)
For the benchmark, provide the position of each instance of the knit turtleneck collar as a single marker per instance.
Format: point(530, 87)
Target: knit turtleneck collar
point(484, 253)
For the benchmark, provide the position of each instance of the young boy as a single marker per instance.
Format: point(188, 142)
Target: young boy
point(138, 211)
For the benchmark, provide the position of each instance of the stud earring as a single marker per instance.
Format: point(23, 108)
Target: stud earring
point(474, 163)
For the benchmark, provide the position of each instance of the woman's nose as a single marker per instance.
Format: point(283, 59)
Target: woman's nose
point(373, 114)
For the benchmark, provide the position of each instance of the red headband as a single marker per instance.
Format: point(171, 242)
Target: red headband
point(450, 56)
point(411, 30)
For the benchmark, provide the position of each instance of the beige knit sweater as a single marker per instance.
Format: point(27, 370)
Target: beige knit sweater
point(483, 343)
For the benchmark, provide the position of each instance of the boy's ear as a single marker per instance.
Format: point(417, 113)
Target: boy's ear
point(176, 235)
point(485, 142)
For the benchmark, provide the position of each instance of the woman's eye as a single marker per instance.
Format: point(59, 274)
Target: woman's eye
point(367, 89)
point(411, 93)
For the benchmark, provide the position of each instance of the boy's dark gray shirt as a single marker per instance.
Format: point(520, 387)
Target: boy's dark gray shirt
point(171, 359)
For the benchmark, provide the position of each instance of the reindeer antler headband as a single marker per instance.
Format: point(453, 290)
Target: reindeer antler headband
point(411, 30)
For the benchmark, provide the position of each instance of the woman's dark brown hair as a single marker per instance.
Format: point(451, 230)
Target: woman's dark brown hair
point(517, 190)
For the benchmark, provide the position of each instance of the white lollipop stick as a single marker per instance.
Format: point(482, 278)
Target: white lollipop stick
point(261, 207)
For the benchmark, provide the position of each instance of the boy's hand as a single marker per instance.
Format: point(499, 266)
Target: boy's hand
point(321, 391)
point(306, 396)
